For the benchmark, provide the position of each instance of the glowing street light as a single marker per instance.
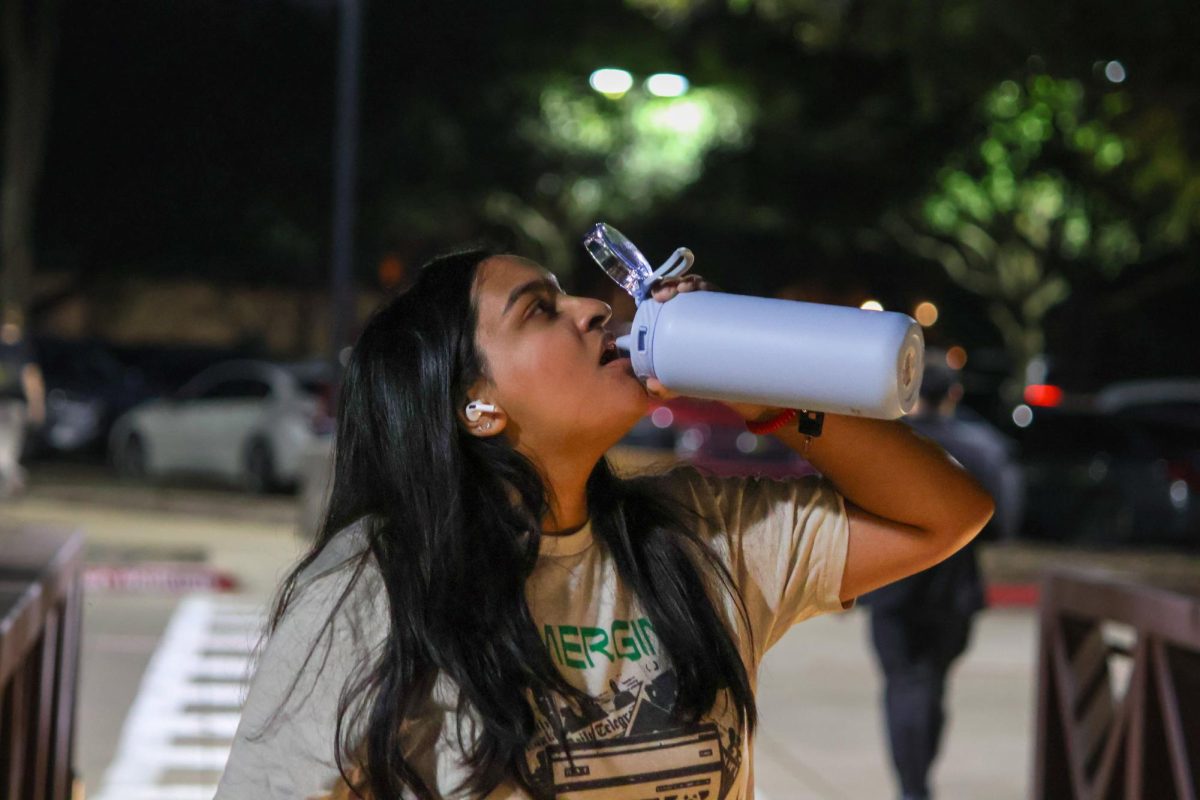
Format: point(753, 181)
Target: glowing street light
point(666, 84)
point(610, 82)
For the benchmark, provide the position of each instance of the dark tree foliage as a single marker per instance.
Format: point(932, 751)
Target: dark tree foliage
point(195, 137)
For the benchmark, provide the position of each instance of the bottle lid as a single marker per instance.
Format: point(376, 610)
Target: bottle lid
point(620, 259)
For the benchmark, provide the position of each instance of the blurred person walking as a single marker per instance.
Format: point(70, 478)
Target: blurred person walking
point(22, 403)
point(920, 625)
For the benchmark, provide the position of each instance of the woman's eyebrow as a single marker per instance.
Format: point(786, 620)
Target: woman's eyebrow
point(549, 284)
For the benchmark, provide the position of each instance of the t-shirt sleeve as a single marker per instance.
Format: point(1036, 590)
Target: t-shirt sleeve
point(286, 741)
point(784, 542)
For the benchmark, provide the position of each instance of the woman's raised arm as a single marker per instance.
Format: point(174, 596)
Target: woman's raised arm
point(910, 504)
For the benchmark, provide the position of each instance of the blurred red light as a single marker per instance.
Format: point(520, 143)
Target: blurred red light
point(1043, 395)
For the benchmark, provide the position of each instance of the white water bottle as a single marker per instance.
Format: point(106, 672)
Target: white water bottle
point(782, 353)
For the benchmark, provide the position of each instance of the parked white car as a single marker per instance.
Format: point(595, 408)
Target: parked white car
point(245, 421)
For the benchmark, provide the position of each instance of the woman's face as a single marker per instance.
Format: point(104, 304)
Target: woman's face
point(543, 353)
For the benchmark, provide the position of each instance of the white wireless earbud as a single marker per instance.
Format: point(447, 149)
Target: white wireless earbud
point(477, 408)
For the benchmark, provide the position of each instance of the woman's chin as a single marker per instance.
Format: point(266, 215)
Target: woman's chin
point(620, 397)
point(626, 411)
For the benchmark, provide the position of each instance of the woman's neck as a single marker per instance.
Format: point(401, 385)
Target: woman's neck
point(568, 507)
point(567, 531)
point(566, 518)
point(565, 471)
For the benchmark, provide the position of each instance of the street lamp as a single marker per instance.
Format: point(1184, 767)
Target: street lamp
point(611, 82)
point(614, 83)
point(345, 150)
point(666, 84)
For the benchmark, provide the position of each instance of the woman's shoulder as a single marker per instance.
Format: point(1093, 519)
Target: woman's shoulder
point(698, 493)
point(688, 482)
point(332, 624)
point(334, 618)
point(347, 544)
point(340, 593)
point(676, 480)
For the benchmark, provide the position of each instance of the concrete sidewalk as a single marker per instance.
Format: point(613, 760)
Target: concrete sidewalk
point(123, 631)
point(822, 734)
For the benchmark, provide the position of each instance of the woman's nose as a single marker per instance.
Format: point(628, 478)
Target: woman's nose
point(594, 313)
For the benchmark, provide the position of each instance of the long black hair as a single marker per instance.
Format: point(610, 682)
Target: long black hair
point(453, 551)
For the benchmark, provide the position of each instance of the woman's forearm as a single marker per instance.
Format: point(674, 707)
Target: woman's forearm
point(888, 469)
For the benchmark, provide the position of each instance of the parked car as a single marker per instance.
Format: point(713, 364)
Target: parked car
point(244, 421)
point(87, 388)
point(1108, 479)
point(167, 367)
point(713, 437)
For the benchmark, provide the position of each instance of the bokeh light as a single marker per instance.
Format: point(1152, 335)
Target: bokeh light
point(926, 314)
point(872, 305)
point(956, 357)
point(611, 82)
point(666, 84)
point(1179, 494)
point(746, 442)
point(662, 417)
point(1043, 394)
point(1022, 416)
point(691, 440)
point(683, 117)
point(1115, 71)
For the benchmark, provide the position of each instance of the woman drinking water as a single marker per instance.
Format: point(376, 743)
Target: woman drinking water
point(490, 611)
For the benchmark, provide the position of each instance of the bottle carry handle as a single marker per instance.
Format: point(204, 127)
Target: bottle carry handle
point(679, 263)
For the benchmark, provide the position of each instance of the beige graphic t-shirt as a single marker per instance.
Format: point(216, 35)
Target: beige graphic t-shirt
point(784, 543)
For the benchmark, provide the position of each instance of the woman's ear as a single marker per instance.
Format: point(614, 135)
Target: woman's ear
point(480, 415)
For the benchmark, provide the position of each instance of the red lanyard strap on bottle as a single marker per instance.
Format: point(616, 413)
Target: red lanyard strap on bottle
point(811, 422)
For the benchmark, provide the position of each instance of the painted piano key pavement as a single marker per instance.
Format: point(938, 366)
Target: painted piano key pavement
point(178, 732)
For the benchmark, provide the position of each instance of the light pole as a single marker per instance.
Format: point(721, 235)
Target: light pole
point(345, 147)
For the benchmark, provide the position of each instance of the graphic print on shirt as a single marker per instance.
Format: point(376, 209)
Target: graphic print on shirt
point(623, 743)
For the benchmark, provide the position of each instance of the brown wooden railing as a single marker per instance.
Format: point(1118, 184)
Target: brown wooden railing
point(41, 609)
point(1118, 691)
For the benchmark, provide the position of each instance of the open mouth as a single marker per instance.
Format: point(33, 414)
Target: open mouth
point(609, 353)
